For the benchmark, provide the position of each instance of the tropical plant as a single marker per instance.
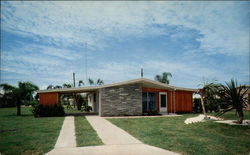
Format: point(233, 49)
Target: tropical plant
point(65, 85)
point(23, 92)
point(40, 110)
point(80, 83)
point(50, 86)
point(91, 81)
point(99, 82)
point(79, 101)
point(164, 77)
point(57, 87)
point(207, 90)
point(234, 97)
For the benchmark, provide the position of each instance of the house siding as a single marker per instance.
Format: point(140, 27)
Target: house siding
point(121, 100)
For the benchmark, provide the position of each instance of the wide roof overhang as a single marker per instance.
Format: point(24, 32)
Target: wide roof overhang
point(145, 83)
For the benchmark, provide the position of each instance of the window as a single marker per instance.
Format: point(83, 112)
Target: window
point(149, 101)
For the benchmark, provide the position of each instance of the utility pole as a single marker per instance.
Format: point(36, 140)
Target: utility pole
point(74, 82)
point(86, 62)
point(141, 72)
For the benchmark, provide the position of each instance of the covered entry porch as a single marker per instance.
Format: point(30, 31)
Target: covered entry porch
point(74, 100)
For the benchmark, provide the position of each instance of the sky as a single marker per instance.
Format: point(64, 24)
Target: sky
point(45, 42)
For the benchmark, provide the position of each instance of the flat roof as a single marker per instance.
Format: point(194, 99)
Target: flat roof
point(145, 83)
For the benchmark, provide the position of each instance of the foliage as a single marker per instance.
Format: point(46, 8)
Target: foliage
point(85, 134)
point(173, 134)
point(27, 135)
point(57, 87)
point(150, 112)
point(50, 86)
point(212, 104)
point(232, 95)
point(207, 92)
point(164, 77)
point(87, 108)
point(65, 85)
point(98, 82)
point(80, 83)
point(197, 108)
point(21, 94)
point(79, 101)
point(40, 110)
point(91, 81)
point(31, 103)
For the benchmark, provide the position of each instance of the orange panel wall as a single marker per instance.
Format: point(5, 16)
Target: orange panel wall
point(48, 98)
point(184, 101)
point(169, 97)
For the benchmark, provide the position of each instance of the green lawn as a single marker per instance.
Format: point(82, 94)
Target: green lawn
point(26, 134)
point(71, 109)
point(232, 116)
point(85, 134)
point(200, 138)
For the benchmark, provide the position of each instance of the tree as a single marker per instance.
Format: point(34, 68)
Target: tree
point(208, 90)
point(79, 101)
point(80, 83)
point(234, 97)
point(50, 86)
point(164, 77)
point(23, 92)
point(99, 82)
point(57, 87)
point(91, 81)
point(65, 85)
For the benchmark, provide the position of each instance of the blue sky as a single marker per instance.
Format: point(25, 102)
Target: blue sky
point(44, 42)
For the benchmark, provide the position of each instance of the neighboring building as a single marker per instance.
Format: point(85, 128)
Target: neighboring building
point(133, 97)
point(247, 96)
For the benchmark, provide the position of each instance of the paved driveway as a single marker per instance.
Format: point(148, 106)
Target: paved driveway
point(116, 140)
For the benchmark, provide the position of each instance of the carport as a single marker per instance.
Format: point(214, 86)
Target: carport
point(53, 96)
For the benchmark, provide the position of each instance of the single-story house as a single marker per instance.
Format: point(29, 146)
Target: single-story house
point(132, 97)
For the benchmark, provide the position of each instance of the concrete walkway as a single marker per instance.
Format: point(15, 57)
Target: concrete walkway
point(109, 133)
point(67, 134)
point(130, 149)
point(116, 140)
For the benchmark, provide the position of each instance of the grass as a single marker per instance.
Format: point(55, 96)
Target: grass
point(85, 134)
point(232, 116)
point(26, 134)
point(200, 138)
point(71, 110)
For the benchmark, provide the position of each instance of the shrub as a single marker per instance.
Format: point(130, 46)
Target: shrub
point(32, 103)
point(197, 108)
point(87, 108)
point(150, 112)
point(40, 110)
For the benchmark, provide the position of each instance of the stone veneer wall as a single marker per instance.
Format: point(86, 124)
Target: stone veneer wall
point(121, 100)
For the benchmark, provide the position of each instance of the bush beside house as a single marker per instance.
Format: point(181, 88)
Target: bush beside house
point(40, 110)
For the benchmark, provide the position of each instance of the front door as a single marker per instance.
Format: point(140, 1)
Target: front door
point(163, 101)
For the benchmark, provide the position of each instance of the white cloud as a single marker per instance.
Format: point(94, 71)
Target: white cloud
point(67, 23)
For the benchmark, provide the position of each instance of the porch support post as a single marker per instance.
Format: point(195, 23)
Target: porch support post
point(174, 101)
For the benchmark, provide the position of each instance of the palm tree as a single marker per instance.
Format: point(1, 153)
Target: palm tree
point(208, 89)
point(91, 81)
point(99, 82)
point(65, 85)
point(80, 83)
point(57, 87)
point(164, 77)
point(50, 86)
point(24, 91)
point(233, 96)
